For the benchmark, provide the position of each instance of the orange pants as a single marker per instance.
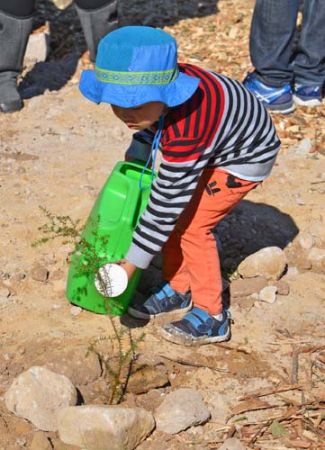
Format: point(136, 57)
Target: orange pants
point(190, 256)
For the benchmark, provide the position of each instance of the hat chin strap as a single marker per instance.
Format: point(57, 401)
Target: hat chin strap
point(153, 154)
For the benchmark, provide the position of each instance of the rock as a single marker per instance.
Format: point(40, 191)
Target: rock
point(39, 273)
point(180, 410)
point(79, 365)
point(306, 241)
point(292, 272)
point(232, 444)
point(38, 394)
point(316, 254)
point(98, 427)
point(303, 147)
point(219, 405)
point(59, 445)
point(37, 48)
point(40, 442)
point(242, 287)
point(146, 378)
point(282, 287)
point(4, 296)
point(269, 262)
point(317, 230)
point(75, 310)
point(62, 4)
point(268, 294)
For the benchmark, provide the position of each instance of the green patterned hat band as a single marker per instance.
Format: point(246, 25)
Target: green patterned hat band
point(162, 77)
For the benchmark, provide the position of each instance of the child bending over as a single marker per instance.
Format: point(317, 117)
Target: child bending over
point(217, 143)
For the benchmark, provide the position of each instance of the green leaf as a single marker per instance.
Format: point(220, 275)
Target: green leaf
point(277, 429)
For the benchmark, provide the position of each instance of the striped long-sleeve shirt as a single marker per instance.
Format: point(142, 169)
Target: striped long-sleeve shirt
point(221, 125)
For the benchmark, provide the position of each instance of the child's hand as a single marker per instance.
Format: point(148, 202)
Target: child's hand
point(128, 267)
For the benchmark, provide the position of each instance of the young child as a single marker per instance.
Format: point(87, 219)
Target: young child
point(217, 143)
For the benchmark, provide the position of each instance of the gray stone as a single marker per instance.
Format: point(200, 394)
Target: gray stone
point(79, 365)
point(303, 147)
point(38, 394)
point(98, 427)
point(180, 410)
point(269, 262)
point(243, 287)
point(268, 294)
point(219, 405)
point(37, 47)
point(232, 444)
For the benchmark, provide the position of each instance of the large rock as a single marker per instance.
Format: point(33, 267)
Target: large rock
point(98, 427)
point(269, 262)
point(38, 394)
point(180, 410)
point(79, 365)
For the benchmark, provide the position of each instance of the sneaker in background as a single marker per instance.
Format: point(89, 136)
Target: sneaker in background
point(276, 99)
point(307, 95)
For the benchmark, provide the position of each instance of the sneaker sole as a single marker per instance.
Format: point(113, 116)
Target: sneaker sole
point(286, 109)
point(141, 315)
point(311, 103)
point(182, 339)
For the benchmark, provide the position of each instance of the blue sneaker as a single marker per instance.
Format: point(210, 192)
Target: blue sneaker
point(307, 95)
point(275, 99)
point(198, 327)
point(162, 301)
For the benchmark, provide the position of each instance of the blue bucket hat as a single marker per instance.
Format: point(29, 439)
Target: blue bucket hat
point(137, 65)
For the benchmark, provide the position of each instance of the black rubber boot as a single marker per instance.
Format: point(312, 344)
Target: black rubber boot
point(14, 33)
point(96, 23)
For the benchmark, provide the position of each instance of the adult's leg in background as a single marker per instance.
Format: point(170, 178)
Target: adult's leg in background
point(15, 26)
point(309, 64)
point(97, 17)
point(272, 38)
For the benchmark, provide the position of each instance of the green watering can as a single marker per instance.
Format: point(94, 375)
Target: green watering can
point(107, 236)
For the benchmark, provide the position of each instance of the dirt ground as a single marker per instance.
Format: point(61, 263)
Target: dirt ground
point(57, 153)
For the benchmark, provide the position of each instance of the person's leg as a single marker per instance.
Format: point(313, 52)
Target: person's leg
point(271, 40)
point(271, 43)
point(212, 201)
point(15, 26)
point(97, 17)
point(309, 64)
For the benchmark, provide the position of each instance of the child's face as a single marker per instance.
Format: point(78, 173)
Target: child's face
point(140, 117)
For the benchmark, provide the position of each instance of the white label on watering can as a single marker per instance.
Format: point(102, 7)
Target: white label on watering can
point(111, 280)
